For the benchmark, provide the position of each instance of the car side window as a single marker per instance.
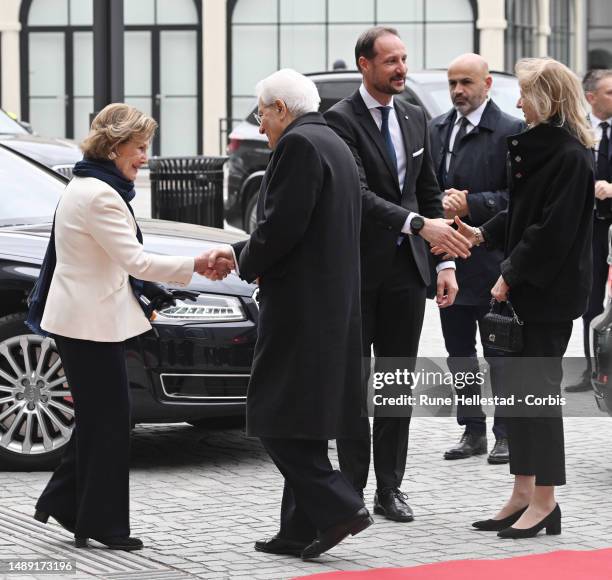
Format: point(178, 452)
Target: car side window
point(333, 91)
point(409, 96)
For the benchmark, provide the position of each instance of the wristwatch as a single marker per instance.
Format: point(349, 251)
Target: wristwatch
point(416, 224)
point(478, 235)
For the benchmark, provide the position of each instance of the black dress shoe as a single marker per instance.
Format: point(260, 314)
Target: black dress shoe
point(276, 545)
point(584, 384)
point(500, 453)
point(392, 504)
point(498, 525)
point(43, 517)
point(333, 536)
point(469, 444)
point(113, 543)
point(552, 523)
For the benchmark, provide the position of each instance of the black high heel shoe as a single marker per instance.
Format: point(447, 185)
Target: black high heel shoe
point(498, 525)
point(552, 523)
point(117, 543)
point(43, 518)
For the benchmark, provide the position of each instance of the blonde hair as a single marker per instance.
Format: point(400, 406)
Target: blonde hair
point(555, 93)
point(115, 124)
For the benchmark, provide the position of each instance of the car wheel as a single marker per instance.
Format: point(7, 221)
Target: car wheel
point(250, 214)
point(36, 407)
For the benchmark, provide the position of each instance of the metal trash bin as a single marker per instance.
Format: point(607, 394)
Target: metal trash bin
point(188, 189)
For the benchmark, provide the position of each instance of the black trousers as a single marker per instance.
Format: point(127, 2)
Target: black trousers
point(459, 326)
point(90, 487)
point(392, 319)
point(536, 442)
point(315, 496)
point(600, 276)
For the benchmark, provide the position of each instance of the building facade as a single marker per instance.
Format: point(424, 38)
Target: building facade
point(193, 64)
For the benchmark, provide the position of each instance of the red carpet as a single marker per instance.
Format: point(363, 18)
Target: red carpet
point(562, 565)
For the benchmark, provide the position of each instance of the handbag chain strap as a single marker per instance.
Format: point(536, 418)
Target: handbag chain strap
point(514, 314)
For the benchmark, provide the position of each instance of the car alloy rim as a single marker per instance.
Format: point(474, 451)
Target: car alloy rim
point(36, 407)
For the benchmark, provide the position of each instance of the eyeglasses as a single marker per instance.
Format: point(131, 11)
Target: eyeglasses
point(258, 117)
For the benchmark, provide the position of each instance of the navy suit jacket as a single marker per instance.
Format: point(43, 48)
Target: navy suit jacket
point(385, 207)
point(481, 168)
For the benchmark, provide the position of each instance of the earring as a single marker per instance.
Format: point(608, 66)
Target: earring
point(112, 155)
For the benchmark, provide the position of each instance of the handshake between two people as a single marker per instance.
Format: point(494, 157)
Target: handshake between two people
point(215, 264)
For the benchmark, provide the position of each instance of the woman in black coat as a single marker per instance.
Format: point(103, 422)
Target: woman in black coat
point(546, 236)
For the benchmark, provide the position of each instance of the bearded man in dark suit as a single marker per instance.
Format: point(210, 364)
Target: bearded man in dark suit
point(469, 150)
point(402, 210)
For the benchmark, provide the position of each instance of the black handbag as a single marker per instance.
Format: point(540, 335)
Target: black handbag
point(501, 328)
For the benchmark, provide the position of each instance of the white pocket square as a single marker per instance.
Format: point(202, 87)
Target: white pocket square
point(419, 152)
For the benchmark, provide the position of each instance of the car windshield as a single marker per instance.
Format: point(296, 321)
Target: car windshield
point(9, 125)
point(27, 191)
point(504, 92)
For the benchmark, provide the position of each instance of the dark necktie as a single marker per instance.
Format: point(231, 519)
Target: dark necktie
point(603, 207)
point(384, 129)
point(603, 154)
point(456, 143)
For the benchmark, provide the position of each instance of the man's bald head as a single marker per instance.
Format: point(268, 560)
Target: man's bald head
point(469, 82)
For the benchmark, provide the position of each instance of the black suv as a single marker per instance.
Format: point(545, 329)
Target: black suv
point(249, 153)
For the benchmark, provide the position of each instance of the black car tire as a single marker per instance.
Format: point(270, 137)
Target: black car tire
point(250, 213)
point(36, 409)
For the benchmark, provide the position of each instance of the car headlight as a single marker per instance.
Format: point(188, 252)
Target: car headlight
point(207, 308)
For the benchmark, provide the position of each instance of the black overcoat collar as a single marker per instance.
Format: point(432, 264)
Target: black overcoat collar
point(488, 121)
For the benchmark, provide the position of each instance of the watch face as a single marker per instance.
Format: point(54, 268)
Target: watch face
point(417, 223)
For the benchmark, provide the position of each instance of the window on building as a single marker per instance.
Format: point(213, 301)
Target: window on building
point(561, 43)
point(520, 35)
point(266, 35)
point(162, 68)
point(599, 34)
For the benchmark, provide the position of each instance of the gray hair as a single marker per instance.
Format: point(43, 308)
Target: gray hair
point(592, 78)
point(298, 92)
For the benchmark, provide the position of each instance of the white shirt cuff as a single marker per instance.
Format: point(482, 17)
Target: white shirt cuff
point(406, 229)
point(235, 260)
point(449, 264)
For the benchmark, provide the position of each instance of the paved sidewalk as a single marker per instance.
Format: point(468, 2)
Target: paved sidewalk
point(200, 498)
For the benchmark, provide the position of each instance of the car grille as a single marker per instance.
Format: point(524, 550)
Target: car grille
point(211, 387)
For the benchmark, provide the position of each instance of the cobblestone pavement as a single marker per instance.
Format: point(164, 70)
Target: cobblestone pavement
point(200, 498)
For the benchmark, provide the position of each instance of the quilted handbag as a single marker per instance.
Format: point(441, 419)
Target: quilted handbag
point(502, 329)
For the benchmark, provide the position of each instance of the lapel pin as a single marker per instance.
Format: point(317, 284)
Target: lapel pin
point(405, 116)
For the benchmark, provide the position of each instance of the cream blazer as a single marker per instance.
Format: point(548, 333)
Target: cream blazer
point(90, 297)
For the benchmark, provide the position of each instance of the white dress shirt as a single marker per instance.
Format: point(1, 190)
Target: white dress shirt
point(473, 119)
point(598, 132)
point(400, 152)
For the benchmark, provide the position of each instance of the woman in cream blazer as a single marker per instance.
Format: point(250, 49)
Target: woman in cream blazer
point(91, 311)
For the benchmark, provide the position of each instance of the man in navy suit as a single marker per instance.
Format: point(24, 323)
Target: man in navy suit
point(401, 211)
point(469, 150)
point(597, 86)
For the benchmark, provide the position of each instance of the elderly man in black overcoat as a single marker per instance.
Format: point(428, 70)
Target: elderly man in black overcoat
point(304, 252)
point(469, 151)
